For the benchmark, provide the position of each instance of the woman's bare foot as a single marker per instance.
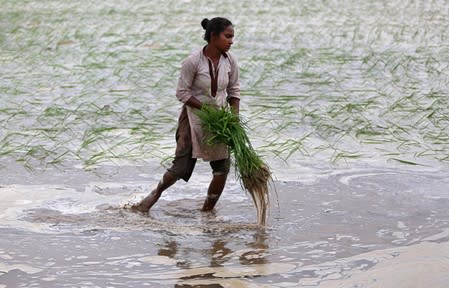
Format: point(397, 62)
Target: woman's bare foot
point(147, 202)
point(139, 207)
point(145, 205)
point(213, 193)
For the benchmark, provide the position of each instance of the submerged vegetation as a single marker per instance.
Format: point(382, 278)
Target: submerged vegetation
point(94, 84)
point(224, 126)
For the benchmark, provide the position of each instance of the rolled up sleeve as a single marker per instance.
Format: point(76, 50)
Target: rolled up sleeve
point(233, 89)
point(185, 81)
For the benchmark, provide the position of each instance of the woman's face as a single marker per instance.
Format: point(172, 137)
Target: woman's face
point(224, 41)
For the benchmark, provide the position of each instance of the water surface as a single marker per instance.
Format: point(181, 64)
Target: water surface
point(347, 102)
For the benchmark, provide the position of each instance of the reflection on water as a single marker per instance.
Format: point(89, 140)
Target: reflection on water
point(218, 253)
point(169, 249)
point(258, 250)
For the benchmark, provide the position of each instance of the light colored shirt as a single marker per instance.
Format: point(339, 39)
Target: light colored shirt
point(194, 80)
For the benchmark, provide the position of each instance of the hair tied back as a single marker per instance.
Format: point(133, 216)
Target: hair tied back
point(204, 23)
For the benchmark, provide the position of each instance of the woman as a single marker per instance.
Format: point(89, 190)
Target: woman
point(209, 76)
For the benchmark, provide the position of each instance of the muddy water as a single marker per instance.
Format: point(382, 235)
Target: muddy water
point(68, 229)
point(347, 101)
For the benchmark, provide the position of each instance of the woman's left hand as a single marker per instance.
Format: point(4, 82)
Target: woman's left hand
point(234, 103)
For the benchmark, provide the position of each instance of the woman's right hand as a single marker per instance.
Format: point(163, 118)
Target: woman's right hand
point(195, 103)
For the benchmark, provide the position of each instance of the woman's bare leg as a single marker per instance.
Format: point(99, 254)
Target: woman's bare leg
point(167, 180)
point(214, 192)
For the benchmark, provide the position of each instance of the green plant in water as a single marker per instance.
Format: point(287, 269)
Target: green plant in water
point(224, 126)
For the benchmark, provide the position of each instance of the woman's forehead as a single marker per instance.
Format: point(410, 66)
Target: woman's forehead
point(229, 29)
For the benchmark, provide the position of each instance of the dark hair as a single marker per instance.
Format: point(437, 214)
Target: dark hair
point(215, 25)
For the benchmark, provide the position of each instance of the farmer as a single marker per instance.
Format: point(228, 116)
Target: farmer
point(209, 76)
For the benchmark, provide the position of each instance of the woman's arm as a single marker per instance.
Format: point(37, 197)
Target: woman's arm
point(184, 88)
point(233, 88)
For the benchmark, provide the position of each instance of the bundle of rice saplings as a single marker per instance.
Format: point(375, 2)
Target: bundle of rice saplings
point(223, 126)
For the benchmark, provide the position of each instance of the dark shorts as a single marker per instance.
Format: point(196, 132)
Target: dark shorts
point(183, 164)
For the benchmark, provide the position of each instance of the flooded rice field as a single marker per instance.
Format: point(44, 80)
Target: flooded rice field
point(347, 101)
